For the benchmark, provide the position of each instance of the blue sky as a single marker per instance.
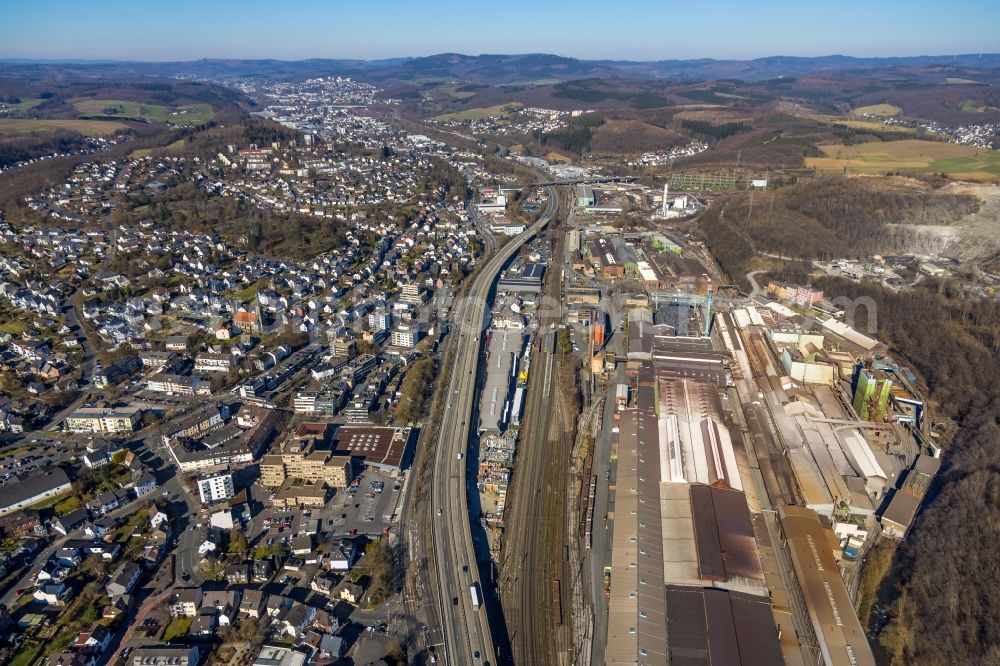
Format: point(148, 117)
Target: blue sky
point(293, 29)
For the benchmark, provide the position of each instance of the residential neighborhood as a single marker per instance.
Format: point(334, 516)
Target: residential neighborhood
point(225, 436)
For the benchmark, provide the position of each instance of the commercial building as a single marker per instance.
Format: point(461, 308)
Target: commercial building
point(307, 456)
point(307, 495)
point(384, 448)
point(97, 419)
point(507, 227)
point(215, 487)
point(583, 296)
point(492, 202)
point(325, 403)
point(237, 443)
point(197, 423)
point(23, 491)
point(525, 279)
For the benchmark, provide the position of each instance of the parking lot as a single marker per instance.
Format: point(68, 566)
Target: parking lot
point(370, 510)
point(37, 453)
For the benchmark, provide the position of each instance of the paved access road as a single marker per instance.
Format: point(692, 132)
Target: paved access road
point(468, 638)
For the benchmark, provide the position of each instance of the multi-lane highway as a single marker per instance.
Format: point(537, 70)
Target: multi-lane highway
point(467, 636)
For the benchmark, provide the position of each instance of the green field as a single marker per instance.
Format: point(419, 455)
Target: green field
point(856, 123)
point(189, 114)
point(169, 148)
point(85, 127)
point(503, 110)
point(248, 292)
point(23, 105)
point(530, 82)
point(910, 155)
point(971, 107)
point(50, 502)
point(448, 91)
point(886, 110)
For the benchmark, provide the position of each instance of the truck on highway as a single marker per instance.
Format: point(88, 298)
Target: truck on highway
point(474, 593)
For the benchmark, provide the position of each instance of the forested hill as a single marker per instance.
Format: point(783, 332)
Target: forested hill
point(492, 68)
point(827, 218)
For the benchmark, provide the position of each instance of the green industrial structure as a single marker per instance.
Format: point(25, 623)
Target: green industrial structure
point(664, 244)
point(585, 196)
point(871, 396)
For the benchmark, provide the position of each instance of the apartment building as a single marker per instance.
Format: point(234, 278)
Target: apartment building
point(215, 487)
point(99, 419)
point(178, 384)
point(207, 362)
point(405, 336)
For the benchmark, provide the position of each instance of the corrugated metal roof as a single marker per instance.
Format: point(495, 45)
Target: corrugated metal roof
point(720, 628)
point(841, 638)
point(706, 535)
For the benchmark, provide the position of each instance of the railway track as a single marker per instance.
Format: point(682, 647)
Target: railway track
point(535, 544)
